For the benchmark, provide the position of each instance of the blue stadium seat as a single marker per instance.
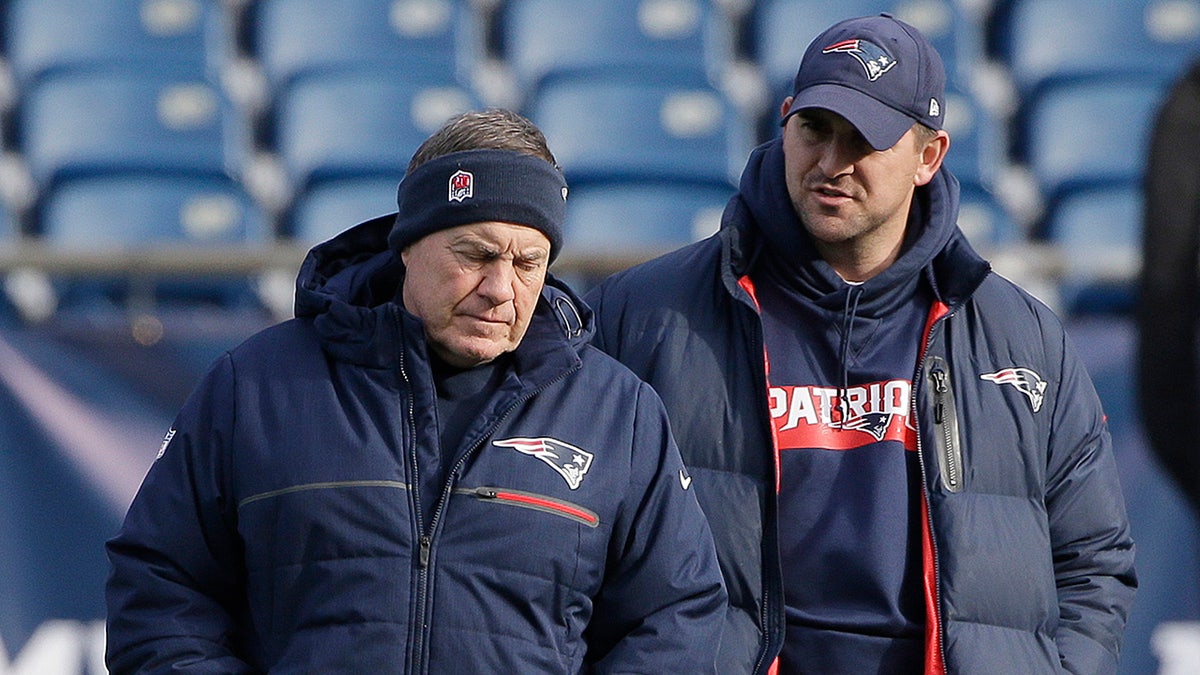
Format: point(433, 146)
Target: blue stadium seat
point(330, 207)
point(1084, 131)
point(8, 225)
point(121, 212)
point(680, 41)
point(77, 123)
point(783, 29)
point(1098, 231)
point(43, 36)
point(131, 210)
point(985, 221)
point(1043, 40)
point(624, 128)
point(336, 125)
point(978, 143)
point(641, 218)
point(411, 39)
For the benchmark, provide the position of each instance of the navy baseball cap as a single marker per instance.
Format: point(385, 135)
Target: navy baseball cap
point(878, 72)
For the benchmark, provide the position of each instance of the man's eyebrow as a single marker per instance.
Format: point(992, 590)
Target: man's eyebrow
point(474, 242)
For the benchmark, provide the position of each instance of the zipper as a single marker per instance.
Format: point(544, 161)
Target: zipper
point(746, 285)
point(936, 559)
point(425, 551)
point(423, 542)
point(945, 421)
point(768, 597)
point(536, 502)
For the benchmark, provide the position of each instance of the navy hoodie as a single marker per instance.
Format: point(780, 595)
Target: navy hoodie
point(849, 517)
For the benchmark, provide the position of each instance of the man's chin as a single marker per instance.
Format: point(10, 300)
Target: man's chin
point(472, 353)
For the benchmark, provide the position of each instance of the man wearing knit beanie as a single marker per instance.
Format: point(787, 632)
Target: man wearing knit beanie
point(476, 230)
point(428, 470)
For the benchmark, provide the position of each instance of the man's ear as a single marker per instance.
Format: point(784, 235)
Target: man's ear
point(785, 107)
point(932, 154)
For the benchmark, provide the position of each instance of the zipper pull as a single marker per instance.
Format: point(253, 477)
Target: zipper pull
point(940, 388)
point(485, 493)
point(424, 550)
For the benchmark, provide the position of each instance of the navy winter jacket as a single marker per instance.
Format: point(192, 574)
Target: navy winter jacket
point(279, 529)
point(1028, 559)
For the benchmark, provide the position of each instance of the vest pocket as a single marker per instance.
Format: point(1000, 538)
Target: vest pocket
point(945, 421)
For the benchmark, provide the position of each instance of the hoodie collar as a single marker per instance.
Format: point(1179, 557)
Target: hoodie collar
point(935, 248)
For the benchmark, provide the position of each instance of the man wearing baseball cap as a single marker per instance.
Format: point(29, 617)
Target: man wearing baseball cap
point(428, 470)
point(904, 462)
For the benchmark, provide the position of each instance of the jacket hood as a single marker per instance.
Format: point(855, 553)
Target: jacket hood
point(348, 287)
point(935, 247)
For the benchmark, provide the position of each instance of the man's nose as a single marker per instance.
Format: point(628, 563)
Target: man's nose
point(837, 157)
point(497, 282)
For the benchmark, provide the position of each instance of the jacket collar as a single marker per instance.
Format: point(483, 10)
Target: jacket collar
point(761, 219)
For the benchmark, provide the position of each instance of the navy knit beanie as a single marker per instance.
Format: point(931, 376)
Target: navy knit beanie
point(476, 186)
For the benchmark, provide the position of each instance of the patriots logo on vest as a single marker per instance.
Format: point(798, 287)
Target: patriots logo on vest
point(570, 462)
point(875, 61)
point(1025, 380)
point(462, 185)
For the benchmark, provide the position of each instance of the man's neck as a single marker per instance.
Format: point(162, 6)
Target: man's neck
point(856, 261)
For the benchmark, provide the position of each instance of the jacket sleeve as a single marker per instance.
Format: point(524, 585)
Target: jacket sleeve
point(175, 586)
point(1092, 548)
point(662, 605)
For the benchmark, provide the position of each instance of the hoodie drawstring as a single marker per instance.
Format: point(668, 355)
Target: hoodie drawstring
point(849, 313)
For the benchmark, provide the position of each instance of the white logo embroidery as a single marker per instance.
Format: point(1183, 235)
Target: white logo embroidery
point(1025, 380)
point(874, 60)
point(570, 462)
point(935, 110)
point(684, 479)
point(162, 449)
point(462, 186)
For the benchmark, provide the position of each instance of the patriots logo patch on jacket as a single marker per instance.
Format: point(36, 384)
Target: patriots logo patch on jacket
point(1026, 381)
point(570, 462)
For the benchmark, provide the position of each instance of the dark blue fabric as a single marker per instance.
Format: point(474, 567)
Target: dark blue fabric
point(461, 395)
point(849, 517)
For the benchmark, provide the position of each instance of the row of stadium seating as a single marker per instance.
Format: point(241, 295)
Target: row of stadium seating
point(250, 122)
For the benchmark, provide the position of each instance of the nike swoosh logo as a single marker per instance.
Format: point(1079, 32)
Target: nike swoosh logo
point(685, 480)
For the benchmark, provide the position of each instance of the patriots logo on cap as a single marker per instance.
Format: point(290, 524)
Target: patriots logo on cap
point(1025, 380)
point(570, 462)
point(875, 61)
point(462, 185)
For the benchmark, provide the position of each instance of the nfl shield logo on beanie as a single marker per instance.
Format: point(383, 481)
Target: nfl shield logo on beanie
point(462, 185)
